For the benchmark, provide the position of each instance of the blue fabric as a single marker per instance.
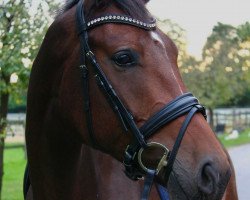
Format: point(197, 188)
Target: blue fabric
point(148, 184)
point(149, 180)
point(162, 191)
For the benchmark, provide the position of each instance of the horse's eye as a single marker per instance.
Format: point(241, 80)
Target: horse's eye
point(125, 58)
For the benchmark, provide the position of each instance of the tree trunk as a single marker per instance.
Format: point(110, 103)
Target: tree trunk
point(211, 115)
point(3, 123)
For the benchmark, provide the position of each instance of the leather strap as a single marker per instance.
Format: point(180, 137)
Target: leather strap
point(85, 73)
point(182, 105)
point(121, 19)
point(178, 142)
point(125, 117)
point(176, 108)
point(26, 181)
point(87, 107)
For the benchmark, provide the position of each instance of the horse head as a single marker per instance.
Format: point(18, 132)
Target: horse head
point(115, 60)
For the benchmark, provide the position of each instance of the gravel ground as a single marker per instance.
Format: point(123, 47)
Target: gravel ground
point(241, 159)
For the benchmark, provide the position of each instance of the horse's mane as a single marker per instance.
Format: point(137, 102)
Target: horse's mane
point(134, 8)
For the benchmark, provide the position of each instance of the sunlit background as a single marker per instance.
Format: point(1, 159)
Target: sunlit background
point(198, 17)
point(213, 39)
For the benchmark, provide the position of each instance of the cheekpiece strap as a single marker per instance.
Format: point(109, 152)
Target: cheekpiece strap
point(121, 19)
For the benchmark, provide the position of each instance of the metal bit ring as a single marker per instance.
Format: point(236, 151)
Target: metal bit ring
point(163, 161)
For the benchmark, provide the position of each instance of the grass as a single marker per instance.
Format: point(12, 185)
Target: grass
point(14, 164)
point(244, 138)
point(13, 145)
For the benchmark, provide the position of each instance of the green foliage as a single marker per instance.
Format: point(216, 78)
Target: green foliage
point(17, 100)
point(222, 77)
point(14, 164)
point(244, 31)
point(244, 100)
point(178, 35)
point(22, 27)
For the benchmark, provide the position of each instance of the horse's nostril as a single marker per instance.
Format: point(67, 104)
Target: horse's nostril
point(208, 179)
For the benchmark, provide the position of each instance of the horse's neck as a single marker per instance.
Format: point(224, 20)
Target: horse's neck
point(104, 177)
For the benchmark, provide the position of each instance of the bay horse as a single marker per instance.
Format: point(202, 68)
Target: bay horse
point(106, 97)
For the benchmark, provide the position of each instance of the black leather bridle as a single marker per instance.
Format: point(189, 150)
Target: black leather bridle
point(185, 104)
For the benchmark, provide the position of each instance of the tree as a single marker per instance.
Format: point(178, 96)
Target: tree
point(178, 35)
point(21, 32)
point(221, 77)
point(243, 32)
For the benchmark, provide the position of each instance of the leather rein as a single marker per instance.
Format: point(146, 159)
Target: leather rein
point(185, 104)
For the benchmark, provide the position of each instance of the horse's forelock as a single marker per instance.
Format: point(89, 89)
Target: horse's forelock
point(134, 8)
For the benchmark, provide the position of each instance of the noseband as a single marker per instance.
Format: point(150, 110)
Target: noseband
point(185, 104)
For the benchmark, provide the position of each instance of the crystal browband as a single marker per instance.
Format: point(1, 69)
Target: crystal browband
point(121, 19)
